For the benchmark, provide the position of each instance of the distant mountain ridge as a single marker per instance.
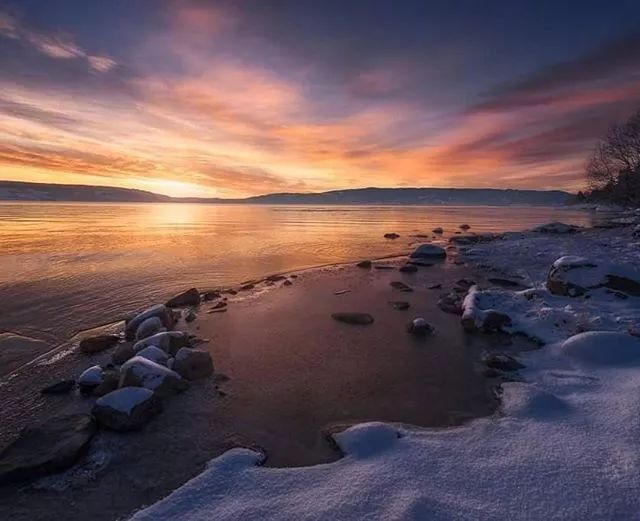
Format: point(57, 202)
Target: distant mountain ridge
point(22, 191)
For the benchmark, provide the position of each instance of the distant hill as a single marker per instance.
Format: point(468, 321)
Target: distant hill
point(20, 191)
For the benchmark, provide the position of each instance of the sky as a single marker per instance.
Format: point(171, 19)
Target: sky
point(235, 98)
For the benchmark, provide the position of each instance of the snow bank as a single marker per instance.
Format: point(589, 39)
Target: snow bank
point(566, 444)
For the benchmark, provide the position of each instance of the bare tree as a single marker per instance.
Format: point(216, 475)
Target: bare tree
point(613, 170)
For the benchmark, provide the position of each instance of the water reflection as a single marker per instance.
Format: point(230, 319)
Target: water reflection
point(66, 266)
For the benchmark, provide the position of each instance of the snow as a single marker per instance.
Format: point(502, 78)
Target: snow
point(124, 400)
point(565, 444)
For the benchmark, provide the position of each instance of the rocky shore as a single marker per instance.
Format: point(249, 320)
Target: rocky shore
point(178, 383)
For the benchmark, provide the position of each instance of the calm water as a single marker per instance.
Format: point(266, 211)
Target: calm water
point(68, 267)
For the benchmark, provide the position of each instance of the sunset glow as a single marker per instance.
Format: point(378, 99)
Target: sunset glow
point(234, 99)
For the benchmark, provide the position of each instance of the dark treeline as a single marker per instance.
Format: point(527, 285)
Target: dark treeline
point(613, 170)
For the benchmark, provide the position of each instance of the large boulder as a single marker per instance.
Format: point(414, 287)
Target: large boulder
point(160, 311)
point(574, 276)
point(191, 297)
point(155, 354)
point(140, 372)
point(193, 364)
point(110, 382)
point(168, 341)
point(127, 409)
point(51, 447)
point(429, 251)
point(95, 344)
point(149, 327)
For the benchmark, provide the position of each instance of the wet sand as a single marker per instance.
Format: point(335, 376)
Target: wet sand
point(294, 373)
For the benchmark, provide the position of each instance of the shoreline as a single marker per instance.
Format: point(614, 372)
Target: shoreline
point(266, 402)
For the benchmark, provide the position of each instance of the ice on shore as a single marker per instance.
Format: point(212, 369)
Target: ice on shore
point(565, 445)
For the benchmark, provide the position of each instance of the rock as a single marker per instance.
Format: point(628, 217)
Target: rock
point(422, 263)
point(391, 235)
point(287, 282)
point(434, 286)
point(353, 318)
point(191, 297)
point(429, 251)
point(495, 320)
point(502, 362)
point(400, 305)
point(190, 315)
point(464, 227)
point(193, 364)
point(555, 227)
point(123, 352)
point(275, 278)
point(62, 387)
point(366, 264)
point(50, 447)
point(342, 292)
point(420, 327)
point(399, 285)
point(208, 296)
point(149, 327)
point(160, 311)
point(140, 372)
point(463, 285)
point(95, 344)
point(168, 341)
point(247, 287)
point(438, 230)
point(127, 409)
point(220, 305)
point(110, 382)
point(408, 268)
point(155, 354)
point(383, 267)
point(91, 378)
point(451, 303)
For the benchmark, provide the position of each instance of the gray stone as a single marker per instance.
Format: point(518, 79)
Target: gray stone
point(62, 387)
point(149, 327)
point(401, 286)
point(122, 353)
point(191, 297)
point(127, 409)
point(140, 372)
point(51, 447)
point(362, 319)
point(95, 344)
point(420, 327)
point(160, 311)
point(193, 364)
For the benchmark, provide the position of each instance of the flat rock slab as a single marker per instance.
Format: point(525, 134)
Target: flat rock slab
point(362, 319)
point(48, 448)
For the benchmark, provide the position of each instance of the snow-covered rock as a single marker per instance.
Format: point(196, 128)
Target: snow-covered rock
point(603, 348)
point(126, 409)
point(193, 364)
point(155, 354)
point(140, 372)
point(160, 311)
point(168, 341)
point(574, 276)
point(149, 327)
point(432, 251)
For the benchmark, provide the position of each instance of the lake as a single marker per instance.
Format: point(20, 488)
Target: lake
point(66, 267)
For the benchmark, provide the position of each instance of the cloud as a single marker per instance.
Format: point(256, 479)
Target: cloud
point(59, 47)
